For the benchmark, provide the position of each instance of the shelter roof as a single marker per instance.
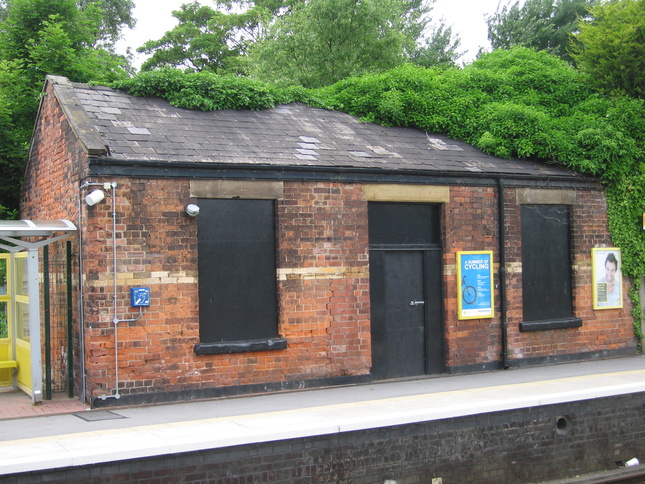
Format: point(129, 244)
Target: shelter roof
point(34, 228)
point(39, 232)
point(114, 125)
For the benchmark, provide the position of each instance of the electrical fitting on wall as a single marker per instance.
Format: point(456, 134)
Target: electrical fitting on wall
point(139, 296)
point(94, 197)
point(192, 210)
point(97, 195)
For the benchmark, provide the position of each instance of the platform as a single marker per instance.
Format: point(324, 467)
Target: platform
point(108, 435)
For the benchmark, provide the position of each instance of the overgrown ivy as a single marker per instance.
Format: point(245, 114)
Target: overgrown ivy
point(207, 91)
point(512, 104)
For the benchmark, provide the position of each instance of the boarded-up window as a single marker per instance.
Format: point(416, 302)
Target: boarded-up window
point(237, 270)
point(546, 266)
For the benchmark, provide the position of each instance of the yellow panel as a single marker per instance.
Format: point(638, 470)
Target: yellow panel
point(21, 318)
point(6, 375)
point(6, 379)
point(20, 271)
point(23, 356)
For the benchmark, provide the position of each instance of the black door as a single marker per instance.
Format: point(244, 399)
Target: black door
point(405, 287)
point(404, 314)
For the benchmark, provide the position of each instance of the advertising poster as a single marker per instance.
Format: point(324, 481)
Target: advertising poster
point(475, 288)
point(607, 278)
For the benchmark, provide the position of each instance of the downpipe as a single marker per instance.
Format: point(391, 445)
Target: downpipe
point(501, 200)
point(81, 291)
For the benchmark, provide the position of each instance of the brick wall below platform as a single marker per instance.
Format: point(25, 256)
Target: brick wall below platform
point(526, 445)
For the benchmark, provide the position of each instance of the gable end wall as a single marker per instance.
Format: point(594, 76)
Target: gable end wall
point(51, 191)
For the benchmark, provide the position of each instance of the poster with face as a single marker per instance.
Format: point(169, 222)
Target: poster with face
point(607, 278)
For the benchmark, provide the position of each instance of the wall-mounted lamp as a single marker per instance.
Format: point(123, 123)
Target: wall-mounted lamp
point(192, 210)
point(94, 197)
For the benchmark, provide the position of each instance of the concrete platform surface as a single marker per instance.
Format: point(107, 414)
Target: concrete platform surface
point(106, 435)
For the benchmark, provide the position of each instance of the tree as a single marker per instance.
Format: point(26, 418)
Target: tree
point(306, 42)
point(117, 14)
point(17, 102)
point(210, 39)
point(323, 41)
point(57, 37)
point(40, 37)
point(540, 24)
point(440, 50)
point(204, 39)
point(611, 46)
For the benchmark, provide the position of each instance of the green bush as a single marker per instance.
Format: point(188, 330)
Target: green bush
point(205, 91)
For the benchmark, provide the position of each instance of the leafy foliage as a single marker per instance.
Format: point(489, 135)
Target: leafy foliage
point(56, 37)
point(116, 15)
point(611, 46)
point(441, 49)
point(17, 105)
point(297, 42)
point(203, 90)
point(522, 89)
point(540, 24)
point(40, 37)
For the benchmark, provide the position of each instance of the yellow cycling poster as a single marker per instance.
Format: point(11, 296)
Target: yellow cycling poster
point(475, 298)
point(607, 278)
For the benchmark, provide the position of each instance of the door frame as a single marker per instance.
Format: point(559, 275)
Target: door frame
point(434, 318)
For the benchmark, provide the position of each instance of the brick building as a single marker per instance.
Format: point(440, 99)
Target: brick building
point(325, 250)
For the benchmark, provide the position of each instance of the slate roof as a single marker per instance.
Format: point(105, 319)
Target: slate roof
point(115, 125)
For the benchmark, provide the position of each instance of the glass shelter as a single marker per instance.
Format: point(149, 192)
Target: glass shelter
point(20, 335)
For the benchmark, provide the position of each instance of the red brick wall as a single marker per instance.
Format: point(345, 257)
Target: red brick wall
point(470, 223)
point(157, 248)
point(323, 291)
point(607, 329)
point(50, 189)
point(324, 281)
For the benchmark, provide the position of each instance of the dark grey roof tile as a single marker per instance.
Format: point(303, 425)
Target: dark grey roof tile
point(151, 129)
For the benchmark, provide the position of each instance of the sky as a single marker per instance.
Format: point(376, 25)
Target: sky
point(466, 17)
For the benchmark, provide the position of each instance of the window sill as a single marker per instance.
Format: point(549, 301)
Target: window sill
point(240, 346)
point(550, 324)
